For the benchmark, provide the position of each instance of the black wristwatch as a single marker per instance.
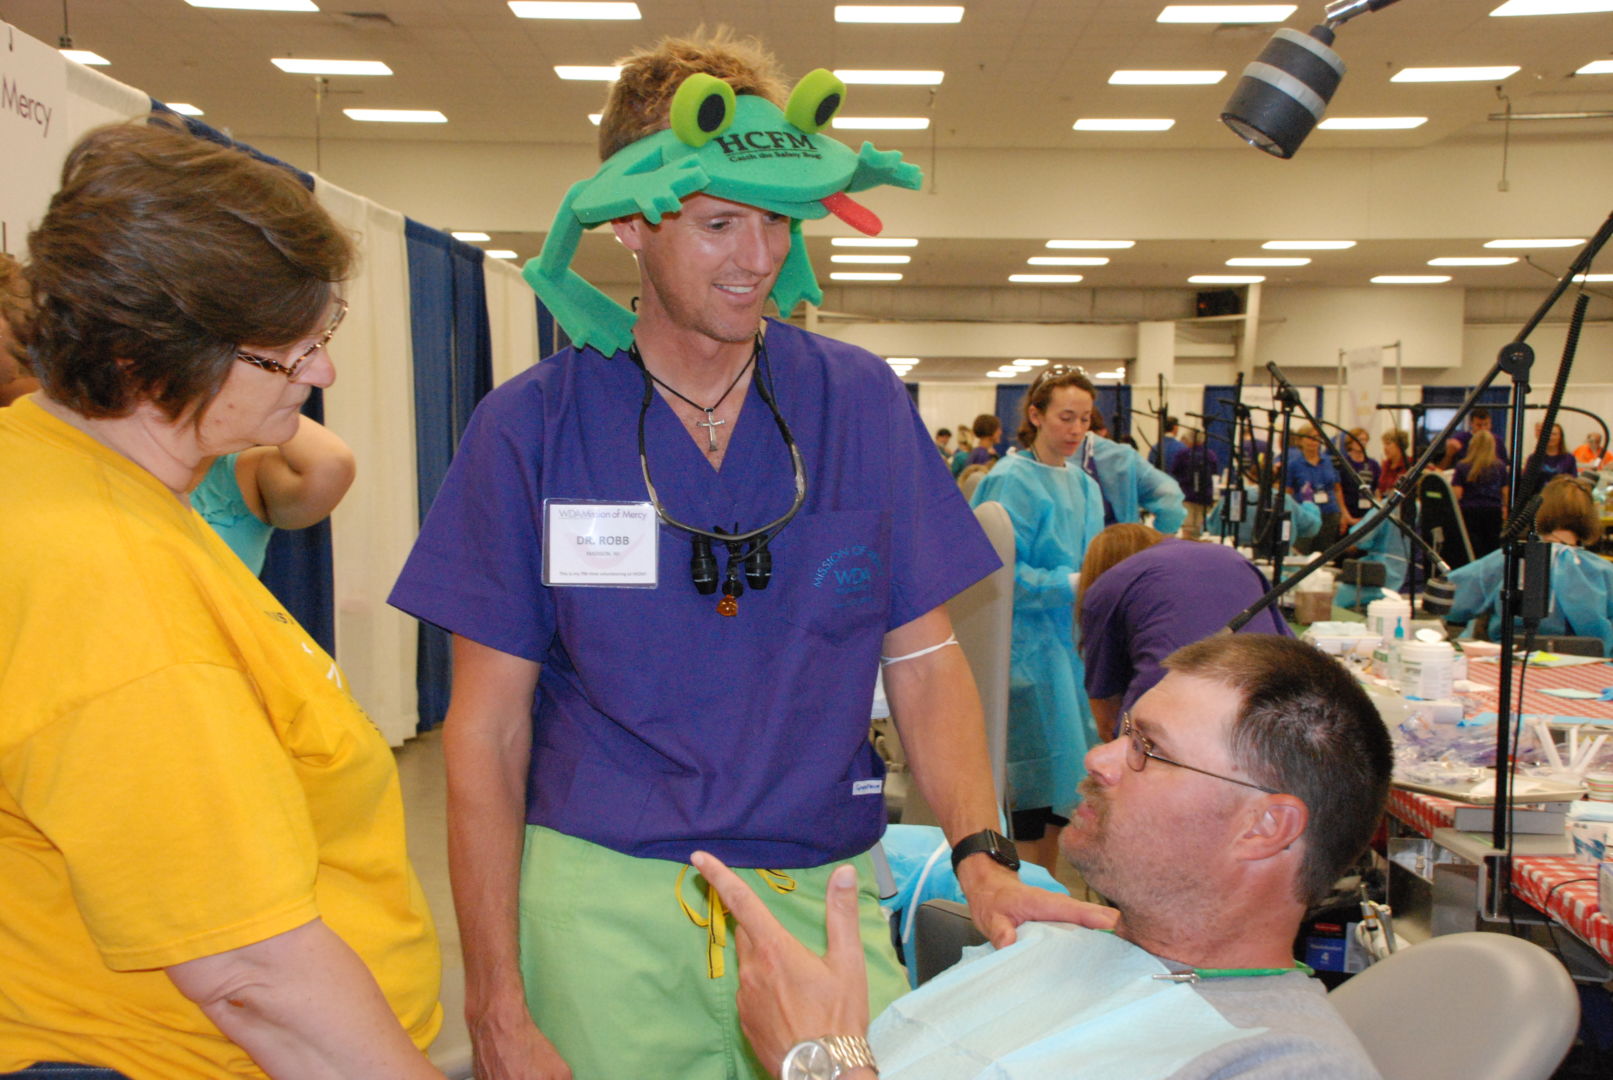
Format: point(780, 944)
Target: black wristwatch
point(993, 843)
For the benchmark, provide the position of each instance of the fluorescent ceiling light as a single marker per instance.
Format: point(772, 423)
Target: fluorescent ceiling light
point(500, 253)
point(846, 275)
point(586, 73)
point(858, 77)
point(1597, 67)
point(256, 5)
point(907, 361)
point(1308, 245)
point(1593, 277)
point(558, 9)
point(1269, 261)
point(85, 56)
point(296, 66)
point(1109, 375)
point(184, 108)
point(1474, 260)
point(1020, 365)
point(1001, 374)
point(873, 241)
point(1030, 362)
point(1225, 279)
point(1045, 279)
point(892, 13)
point(892, 260)
point(1101, 123)
point(1068, 260)
point(1493, 73)
point(1167, 78)
point(1411, 279)
point(1225, 14)
point(1551, 7)
point(471, 237)
point(1091, 245)
point(595, 117)
point(1373, 123)
point(1559, 243)
point(396, 116)
point(881, 123)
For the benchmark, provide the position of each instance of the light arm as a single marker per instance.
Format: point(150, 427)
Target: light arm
point(305, 1007)
point(298, 483)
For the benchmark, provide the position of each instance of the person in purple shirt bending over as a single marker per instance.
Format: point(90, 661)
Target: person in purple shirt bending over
point(612, 712)
point(1194, 468)
point(1143, 596)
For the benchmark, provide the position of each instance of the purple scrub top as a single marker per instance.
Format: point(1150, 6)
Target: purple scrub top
point(1164, 597)
point(660, 726)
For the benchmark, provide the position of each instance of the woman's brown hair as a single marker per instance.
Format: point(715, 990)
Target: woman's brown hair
point(1041, 392)
point(1111, 547)
point(161, 254)
point(1565, 504)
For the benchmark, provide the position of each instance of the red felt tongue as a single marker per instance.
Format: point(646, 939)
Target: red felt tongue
point(853, 213)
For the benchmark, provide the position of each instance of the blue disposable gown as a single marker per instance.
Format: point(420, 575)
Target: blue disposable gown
point(1304, 519)
point(1132, 485)
point(1056, 512)
point(1581, 594)
point(1387, 546)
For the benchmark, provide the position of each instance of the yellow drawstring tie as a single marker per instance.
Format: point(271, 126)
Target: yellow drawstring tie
point(715, 920)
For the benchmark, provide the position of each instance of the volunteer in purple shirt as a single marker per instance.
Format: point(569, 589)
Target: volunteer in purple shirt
point(1144, 596)
point(1557, 461)
point(598, 735)
point(1480, 487)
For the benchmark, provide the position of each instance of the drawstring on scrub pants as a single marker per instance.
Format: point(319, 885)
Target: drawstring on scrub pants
point(715, 920)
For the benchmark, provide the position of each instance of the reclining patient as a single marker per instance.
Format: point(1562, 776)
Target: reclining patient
point(1240, 788)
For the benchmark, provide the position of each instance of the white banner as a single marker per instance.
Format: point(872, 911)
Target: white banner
point(1363, 388)
point(34, 132)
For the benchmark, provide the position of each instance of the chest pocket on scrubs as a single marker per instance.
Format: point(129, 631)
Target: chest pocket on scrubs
point(837, 567)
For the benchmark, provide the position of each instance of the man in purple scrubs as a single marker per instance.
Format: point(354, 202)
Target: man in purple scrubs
point(600, 733)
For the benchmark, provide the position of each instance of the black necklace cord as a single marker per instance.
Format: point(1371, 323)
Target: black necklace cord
point(747, 549)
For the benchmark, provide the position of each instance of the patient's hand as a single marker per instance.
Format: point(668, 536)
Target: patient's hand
point(999, 902)
point(788, 993)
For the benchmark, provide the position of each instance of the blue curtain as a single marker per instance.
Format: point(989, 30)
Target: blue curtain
point(1007, 411)
point(1217, 406)
point(1444, 399)
point(1114, 402)
point(297, 567)
point(453, 369)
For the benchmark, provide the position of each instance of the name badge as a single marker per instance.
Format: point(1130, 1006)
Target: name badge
point(1320, 497)
point(606, 544)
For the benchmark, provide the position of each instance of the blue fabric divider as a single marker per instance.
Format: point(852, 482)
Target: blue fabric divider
point(1220, 424)
point(453, 369)
point(1007, 411)
point(297, 567)
point(1497, 399)
point(1114, 402)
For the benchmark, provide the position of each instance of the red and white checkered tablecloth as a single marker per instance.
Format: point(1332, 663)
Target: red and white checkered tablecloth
point(1552, 883)
point(1425, 813)
point(1592, 677)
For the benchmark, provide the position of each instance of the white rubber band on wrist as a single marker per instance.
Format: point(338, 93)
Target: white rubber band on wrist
point(887, 661)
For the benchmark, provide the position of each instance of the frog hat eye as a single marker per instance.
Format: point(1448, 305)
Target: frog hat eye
point(815, 100)
point(702, 108)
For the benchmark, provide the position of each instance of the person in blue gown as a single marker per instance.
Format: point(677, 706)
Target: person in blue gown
point(1129, 486)
point(1581, 582)
point(1056, 509)
point(1304, 519)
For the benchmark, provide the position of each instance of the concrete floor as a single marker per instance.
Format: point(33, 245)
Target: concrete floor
point(425, 802)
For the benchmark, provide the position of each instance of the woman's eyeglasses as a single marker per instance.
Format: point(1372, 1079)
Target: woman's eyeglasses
point(290, 370)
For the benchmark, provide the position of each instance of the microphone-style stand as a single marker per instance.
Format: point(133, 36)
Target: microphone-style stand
point(1515, 360)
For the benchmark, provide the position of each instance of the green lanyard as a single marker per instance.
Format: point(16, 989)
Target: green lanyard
point(1196, 974)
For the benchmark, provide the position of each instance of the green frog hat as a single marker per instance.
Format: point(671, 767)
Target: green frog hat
point(736, 147)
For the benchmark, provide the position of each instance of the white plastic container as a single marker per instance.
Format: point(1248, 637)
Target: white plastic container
point(1381, 616)
point(1426, 669)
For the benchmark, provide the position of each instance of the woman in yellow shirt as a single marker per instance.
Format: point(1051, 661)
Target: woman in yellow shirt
point(202, 862)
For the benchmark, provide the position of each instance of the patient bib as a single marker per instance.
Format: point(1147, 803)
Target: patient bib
point(1061, 1001)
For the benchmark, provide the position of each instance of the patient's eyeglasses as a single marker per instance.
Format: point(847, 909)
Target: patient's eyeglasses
point(290, 371)
point(1140, 748)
